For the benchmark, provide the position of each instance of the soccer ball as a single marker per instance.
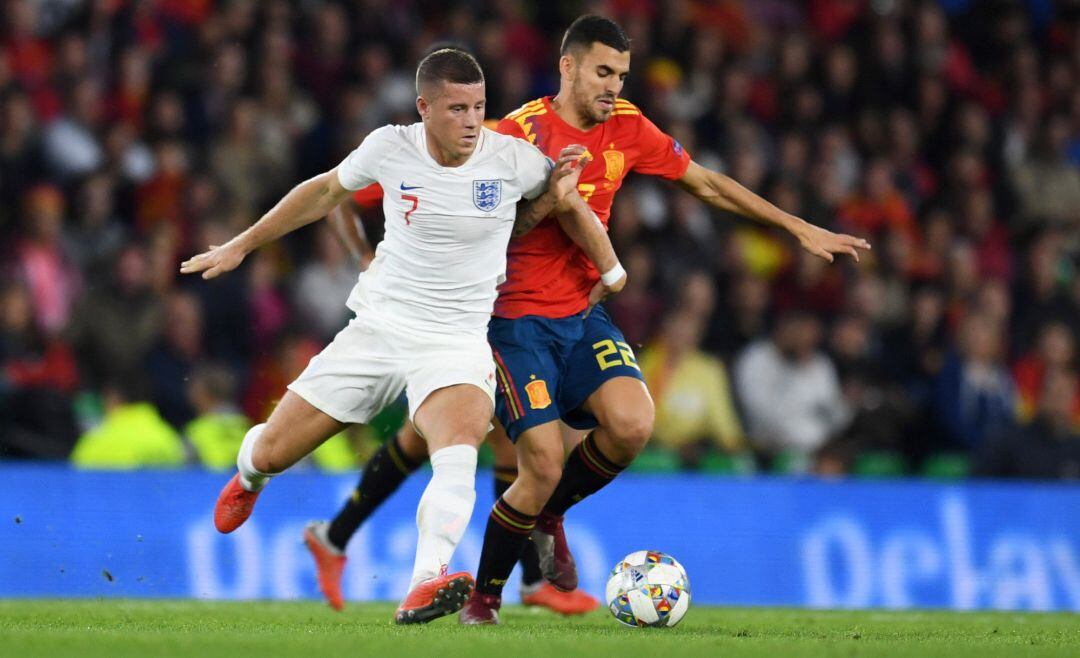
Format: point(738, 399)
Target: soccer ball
point(648, 588)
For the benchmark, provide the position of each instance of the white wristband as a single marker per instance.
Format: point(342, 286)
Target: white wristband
point(612, 276)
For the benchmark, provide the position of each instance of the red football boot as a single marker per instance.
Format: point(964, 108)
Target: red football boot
point(576, 602)
point(556, 560)
point(434, 598)
point(481, 609)
point(329, 563)
point(234, 506)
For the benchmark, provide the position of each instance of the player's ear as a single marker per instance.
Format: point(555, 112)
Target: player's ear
point(422, 107)
point(567, 66)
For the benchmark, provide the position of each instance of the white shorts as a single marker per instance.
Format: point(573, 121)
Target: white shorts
point(370, 362)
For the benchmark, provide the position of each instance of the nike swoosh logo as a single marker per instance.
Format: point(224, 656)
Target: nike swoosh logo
point(406, 188)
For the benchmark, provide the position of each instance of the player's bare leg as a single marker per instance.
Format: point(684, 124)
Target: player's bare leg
point(412, 444)
point(535, 589)
point(625, 413)
point(506, 472)
point(453, 421)
point(624, 410)
point(540, 460)
point(391, 464)
point(513, 517)
point(294, 429)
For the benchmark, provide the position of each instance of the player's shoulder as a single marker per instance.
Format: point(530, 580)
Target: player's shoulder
point(388, 137)
point(630, 123)
point(624, 108)
point(516, 154)
point(395, 133)
point(502, 143)
point(626, 116)
point(398, 145)
point(533, 108)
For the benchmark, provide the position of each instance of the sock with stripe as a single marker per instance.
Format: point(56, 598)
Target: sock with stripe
point(506, 535)
point(531, 576)
point(383, 474)
point(586, 471)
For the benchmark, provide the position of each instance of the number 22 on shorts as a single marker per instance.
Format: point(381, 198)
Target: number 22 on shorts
point(610, 354)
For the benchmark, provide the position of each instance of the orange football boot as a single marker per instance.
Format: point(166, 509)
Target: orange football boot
point(329, 565)
point(234, 506)
point(434, 598)
point(574, 602)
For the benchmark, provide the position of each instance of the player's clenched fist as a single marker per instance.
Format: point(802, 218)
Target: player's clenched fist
point(217, 260)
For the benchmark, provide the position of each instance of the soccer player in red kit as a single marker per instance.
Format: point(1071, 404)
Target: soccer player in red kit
point(557, 359)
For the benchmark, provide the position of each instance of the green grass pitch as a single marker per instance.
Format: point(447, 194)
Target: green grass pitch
point(108, 627)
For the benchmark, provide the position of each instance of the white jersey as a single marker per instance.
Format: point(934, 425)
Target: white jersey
point(447, 228)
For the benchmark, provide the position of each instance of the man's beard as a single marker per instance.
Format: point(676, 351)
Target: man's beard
point(587, 109)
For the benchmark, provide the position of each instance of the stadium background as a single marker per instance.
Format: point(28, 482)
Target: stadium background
point(133, 134)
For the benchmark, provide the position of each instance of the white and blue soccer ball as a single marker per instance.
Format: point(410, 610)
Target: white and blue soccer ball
point(648, 588)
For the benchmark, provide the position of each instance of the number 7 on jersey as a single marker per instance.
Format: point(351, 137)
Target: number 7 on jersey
point(415, 202)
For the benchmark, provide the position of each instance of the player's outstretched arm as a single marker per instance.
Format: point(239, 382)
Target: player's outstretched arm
point(305, 203)
point(725, 193)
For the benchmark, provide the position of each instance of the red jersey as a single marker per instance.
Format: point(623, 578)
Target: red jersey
point(546, 273)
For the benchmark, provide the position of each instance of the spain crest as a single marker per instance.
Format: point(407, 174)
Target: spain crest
point(486, 194)
point(539, 398)
point(613, 165)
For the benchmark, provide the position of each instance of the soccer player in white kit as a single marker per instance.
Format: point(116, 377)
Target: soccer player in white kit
point(422, 308)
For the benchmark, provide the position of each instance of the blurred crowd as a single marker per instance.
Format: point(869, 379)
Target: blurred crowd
point(133, 134)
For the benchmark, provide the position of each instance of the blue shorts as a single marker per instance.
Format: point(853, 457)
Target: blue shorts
point(546, 368)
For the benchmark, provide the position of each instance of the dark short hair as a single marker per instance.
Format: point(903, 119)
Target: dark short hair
point(590, 29)
point(452, 65)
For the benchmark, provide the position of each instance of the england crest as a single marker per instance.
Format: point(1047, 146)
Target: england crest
point(486, 194)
